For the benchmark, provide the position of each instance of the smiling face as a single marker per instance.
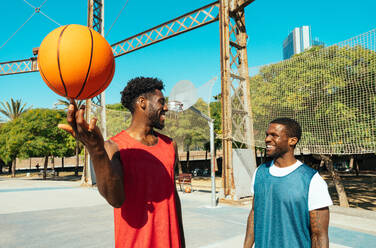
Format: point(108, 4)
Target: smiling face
point(156, 109)
point(277, 141)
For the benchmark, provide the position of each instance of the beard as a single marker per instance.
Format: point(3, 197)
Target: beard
point(276, 152)
point(155, 119)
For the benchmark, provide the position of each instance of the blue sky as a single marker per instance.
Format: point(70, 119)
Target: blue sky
point(192, 56)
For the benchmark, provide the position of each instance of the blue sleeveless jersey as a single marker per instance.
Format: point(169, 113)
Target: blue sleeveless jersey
point(281, 216)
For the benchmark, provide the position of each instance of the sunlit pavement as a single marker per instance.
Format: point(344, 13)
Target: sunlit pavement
point(35, 213)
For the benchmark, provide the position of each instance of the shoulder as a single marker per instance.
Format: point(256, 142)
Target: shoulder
point(164, 137)
point(265, 165)
point(318, 181)
point(318, 195)
point(120, 136)
point(308, 170)
point(166, 140)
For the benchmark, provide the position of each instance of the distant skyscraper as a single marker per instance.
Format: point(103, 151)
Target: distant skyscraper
point(317, 42)
point(297, 41)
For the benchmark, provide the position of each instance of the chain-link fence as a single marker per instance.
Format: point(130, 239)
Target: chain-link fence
point(330, 91)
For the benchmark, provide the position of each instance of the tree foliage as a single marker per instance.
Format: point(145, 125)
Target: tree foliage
point(65, 103)
point(330, 91)
point(187, 128)
point(35, 134)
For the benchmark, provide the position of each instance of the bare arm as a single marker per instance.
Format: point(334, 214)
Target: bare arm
point(177, 201)
point(319, 219)
point(250, 235)
point(104, 155)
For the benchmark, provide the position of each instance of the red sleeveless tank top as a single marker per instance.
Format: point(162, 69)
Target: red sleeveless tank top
point(148, 215)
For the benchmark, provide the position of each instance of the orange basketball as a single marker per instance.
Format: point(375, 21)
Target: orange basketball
point(76, 61)
point(187, 189)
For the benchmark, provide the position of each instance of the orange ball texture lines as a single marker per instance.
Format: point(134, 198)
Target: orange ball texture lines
point(76, 61)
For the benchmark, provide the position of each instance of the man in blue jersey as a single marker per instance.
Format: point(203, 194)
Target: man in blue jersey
point(290, 203)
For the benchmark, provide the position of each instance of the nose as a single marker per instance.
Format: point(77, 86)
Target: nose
point(165, 107)
point(267, 138)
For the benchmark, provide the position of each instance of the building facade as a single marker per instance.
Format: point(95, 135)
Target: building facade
point(297, 41)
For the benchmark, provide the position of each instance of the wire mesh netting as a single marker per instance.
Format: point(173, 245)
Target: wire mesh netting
point(330, 91)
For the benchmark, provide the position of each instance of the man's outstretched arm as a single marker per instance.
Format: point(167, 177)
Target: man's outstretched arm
point(104, 155)
point(319, 219)
point(250, 235)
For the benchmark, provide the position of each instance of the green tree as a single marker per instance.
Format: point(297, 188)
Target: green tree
point(216, 113)
point(11, 140)
point(13, 109)
point(35, 134)
point(189, 130)
point(65, 104)
point(326, 88)
point(116, 106)
point(118, 118)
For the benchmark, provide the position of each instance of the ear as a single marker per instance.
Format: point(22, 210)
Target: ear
point(141, 102)
point(292, 141)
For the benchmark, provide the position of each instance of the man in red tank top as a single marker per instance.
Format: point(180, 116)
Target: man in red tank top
point(135, 168)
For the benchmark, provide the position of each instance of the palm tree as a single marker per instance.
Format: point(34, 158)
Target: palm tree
point(66, 103)
point(13, 109)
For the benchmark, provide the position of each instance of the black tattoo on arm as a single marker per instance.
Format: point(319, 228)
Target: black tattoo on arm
point(319, 220)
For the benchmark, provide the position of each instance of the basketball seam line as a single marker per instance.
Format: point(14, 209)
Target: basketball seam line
point(88, 70)
point(58, 60)
point(46, 80)
point(105, 82)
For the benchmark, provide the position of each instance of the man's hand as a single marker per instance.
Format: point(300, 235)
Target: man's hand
point(88, 134)
point(105, 156)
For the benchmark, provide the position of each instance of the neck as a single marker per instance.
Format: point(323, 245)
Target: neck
point(285, 160)
point(140, 129)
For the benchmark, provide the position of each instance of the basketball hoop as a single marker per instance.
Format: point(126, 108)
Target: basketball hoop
point(175, 106)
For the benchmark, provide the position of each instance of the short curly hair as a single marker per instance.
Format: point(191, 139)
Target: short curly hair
point(137, 87)
point(293, 128)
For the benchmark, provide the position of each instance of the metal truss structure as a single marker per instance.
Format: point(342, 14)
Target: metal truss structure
point(237, 124)
point(18, 66)
point(96, 22)
point(192, 20)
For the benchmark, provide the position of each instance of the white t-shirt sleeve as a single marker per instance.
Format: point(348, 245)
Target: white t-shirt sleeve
point(318, 195)
point(253, 182)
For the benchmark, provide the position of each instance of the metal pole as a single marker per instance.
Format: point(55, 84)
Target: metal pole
point(103, 94)
point(212, 158)
point(212, 163)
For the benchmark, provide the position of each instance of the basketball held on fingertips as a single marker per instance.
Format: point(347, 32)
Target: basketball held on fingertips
point(76, 61)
